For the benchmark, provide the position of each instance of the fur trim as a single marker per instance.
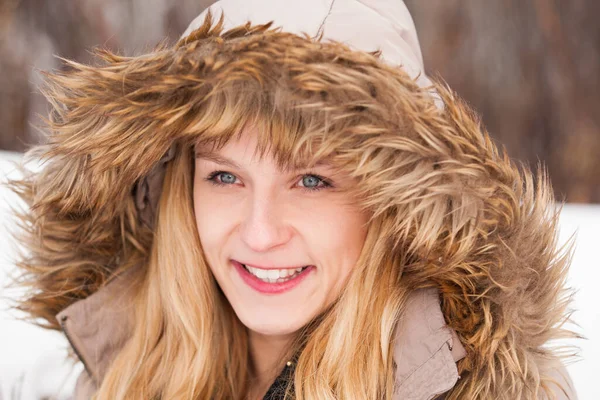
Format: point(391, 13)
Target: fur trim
point(472, 223)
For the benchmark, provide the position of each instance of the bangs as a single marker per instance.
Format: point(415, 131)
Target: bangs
point(291, 130)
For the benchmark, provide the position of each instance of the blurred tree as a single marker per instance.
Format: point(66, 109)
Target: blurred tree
point(33, 32)
point(530, 68)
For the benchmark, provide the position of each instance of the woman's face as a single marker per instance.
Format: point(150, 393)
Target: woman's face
point(298, 238)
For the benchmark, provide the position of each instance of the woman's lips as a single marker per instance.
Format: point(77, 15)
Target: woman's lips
point(270, 288)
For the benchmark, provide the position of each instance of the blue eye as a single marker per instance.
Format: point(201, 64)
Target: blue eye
point(226, 178)
point(311, 182)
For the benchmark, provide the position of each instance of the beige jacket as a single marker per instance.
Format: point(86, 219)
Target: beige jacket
point(426, 349)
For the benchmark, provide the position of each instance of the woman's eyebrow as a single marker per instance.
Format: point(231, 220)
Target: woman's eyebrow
point(218, 159)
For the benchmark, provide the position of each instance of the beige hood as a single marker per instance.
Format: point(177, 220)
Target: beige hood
point(365, 25)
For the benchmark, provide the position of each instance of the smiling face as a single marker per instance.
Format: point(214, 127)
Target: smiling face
point(295, 231)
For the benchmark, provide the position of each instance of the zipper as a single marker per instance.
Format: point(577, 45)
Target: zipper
point(63, 324)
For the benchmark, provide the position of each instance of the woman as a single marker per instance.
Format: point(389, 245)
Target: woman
point(254, 213)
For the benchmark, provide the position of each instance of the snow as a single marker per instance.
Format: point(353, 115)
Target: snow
point(34, 364)
point(33, 361)
point(584, 276)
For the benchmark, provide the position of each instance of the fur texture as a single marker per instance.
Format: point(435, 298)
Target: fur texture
point(466, 218)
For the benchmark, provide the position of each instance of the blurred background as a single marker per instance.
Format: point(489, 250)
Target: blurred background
point(530, 68)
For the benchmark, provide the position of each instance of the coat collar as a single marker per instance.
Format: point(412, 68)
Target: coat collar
point(425, 348)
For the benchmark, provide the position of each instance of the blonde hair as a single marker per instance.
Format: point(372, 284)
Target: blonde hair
point(446, 208)
point(181, 318)
point(174, 337)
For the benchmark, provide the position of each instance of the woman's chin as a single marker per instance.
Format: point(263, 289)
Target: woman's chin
point(273, 327)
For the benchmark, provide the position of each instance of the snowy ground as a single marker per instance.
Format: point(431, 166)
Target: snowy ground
point(33, 361)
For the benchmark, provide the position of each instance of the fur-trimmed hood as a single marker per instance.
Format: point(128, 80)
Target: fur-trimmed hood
point(473, 224)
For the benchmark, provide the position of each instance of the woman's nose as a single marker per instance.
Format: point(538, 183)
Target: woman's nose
point(265, 225)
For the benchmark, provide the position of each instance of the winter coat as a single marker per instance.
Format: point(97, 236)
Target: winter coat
point(96, 328)
point(486, 290)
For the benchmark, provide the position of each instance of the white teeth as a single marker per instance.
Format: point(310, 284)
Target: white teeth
point(285, 273)
point(273, 275)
